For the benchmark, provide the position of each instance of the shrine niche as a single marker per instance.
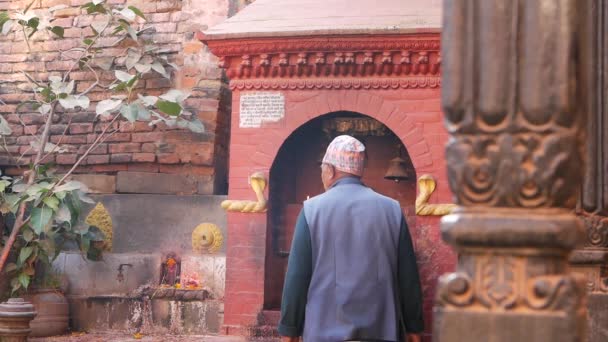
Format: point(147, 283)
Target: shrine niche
point(295, 84)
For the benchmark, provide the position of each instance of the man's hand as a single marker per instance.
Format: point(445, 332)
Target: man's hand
point(291, 339)
point(413, 338)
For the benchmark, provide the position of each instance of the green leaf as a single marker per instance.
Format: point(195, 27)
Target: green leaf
point(85, 243)
point(52, 202)
point(58, 30)
point(73, 101)
point(127, 13)
point(107, 106)
point(5, 22)
point(25, 253)
point(143, 68)
point(130, 112)
point(7, 26)
point(33, 23)
point(75, 206)
point(84, 198)
point(24, 280)
point(15, 285)
point(159, 68)
point(123, 76)
point(87, 41)
point(5, 128)
point(175, 95)
point(63, 214)
point(196, 126)
point(132, 33)
point(68, 186)
point(40, 218)
point(168, 107)
point(147, 100)
point(95, 8)
point(28, 235)
point(137, 12)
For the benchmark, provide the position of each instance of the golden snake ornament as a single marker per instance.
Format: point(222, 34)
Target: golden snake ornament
point(258, 183)
point(426, 187)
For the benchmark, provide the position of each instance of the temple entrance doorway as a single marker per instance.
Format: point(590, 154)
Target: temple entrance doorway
point(296, 175)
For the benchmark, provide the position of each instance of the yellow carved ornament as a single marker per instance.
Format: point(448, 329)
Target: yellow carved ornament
point(426, 186)
point(258, 184)
point(100, 218)
point(207, 238)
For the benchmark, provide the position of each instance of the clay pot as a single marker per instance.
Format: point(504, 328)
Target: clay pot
point(53, 312)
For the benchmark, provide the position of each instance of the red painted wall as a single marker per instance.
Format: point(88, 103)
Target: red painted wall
point(414, 115)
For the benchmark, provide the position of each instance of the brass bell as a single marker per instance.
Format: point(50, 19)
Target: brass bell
point(397, 169)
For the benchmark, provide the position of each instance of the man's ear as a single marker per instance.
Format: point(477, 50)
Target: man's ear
point(331, 171)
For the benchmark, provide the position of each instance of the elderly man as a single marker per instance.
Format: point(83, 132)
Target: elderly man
point(352, 273)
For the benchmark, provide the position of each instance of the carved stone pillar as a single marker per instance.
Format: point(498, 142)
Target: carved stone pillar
point(512, 93)
point(591, 261)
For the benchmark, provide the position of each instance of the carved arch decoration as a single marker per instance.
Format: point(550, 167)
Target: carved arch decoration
point(368, 104)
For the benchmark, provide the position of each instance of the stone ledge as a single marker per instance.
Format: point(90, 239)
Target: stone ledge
point(163, 183)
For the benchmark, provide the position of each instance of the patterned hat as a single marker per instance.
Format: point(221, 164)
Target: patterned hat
point(346, 154)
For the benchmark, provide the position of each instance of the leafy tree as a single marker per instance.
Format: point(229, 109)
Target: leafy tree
point(45, 206)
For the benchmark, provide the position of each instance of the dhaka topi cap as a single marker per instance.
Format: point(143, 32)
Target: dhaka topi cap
point(346, 154)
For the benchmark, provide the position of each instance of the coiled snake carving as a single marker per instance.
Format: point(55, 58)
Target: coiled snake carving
point(258, 183)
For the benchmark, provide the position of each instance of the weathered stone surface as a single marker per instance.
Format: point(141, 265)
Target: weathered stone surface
point(160, 223)
point(162, 183)
point(98, 314)
point(100, 278)
point(97, 184)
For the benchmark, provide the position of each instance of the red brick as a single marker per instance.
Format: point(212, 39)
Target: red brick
point(126, 126)
point(69, 139)
point(148, 147)
point(147, 137)
point(193, 47)
point(101, 126)
point(66, 159)
point(26, 139)
point(99, 149)
point(26, 151)
point(158, 83)
point(81, 128)
point(31, 119)
point(98, 159)
point(121, 158)
point(143, 167)
point(125, 148)
point(59, 129)
point(17, 130)
point(109, 138)
point(144, 157)
point(168, 158)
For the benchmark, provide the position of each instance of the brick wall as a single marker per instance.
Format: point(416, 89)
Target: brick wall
point(201, 159)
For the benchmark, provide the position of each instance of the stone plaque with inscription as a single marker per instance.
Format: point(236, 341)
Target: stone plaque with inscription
point(259, 107)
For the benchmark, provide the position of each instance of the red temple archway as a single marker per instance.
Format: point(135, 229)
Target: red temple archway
point(298, 75)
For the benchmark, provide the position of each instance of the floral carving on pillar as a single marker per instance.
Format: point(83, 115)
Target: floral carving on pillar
point(512, 95)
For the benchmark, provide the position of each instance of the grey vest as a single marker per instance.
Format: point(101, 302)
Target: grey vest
point(355, 234)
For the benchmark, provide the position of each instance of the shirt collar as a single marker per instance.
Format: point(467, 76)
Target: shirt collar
point(347, 180)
